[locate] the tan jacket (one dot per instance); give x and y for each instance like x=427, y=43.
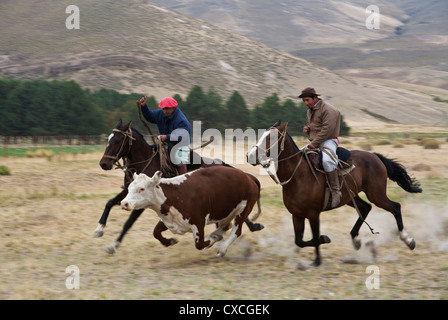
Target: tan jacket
x=324, y=122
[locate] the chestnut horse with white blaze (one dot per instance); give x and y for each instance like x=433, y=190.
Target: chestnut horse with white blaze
x=303, y=196
x=189, y=202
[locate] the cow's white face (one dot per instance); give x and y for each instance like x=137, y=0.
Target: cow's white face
x=144, y=192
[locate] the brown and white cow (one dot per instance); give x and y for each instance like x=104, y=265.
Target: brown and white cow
x=187, y=203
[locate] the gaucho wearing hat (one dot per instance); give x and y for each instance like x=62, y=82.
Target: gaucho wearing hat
x=322, y=127
x=174, y=129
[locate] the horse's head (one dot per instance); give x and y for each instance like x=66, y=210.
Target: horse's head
x=118, y=145
x=269, y=146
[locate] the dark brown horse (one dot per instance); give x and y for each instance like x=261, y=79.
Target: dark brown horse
x=303, y=196
x=138, y=156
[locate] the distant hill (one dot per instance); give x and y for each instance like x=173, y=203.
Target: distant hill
x=411, y=46
x=143, y=47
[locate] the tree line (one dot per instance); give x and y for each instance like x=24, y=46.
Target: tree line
x=41, y=108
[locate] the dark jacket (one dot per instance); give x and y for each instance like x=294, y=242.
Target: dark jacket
x=177, y=121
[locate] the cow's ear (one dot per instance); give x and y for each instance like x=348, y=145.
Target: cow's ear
x=135, y=176
x=157, y=177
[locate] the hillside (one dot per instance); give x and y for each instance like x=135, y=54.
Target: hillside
x=412, y=38
x=144, y=47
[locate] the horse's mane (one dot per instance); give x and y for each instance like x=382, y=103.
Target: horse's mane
x=142, y=137
x=296, y=148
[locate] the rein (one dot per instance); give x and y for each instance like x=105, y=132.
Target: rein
x=282, y=147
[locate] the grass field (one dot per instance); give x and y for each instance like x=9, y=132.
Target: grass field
x=51, y=209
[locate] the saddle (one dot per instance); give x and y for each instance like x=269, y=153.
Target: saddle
x=345, y=164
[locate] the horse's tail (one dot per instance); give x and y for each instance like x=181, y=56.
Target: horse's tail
x=396, y=172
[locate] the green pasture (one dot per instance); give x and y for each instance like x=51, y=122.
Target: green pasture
x=21, y=152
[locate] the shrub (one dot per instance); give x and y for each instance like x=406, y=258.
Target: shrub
x=40, y=153
x=430, y=143
x=382, y=142
x=4, y=171
x=365, y=146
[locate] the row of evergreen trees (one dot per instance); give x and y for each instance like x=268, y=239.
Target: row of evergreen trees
x=39, y=107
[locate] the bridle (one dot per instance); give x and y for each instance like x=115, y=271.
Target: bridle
x=281, y=142
x=127, y=136
x=281, y=136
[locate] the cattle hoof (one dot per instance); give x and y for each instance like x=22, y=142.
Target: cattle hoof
x=220, y=253
x=172, y=242
x=216, y=237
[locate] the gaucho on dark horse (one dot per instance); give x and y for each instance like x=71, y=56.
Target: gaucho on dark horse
x=127, y=144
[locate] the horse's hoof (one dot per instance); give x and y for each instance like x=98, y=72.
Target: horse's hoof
x=411, y=244
x=356, y=243
x=324, y=239
x=258, y=227
x=112, y=248
x=98, y=234
x=172, y=242
x=316, y=263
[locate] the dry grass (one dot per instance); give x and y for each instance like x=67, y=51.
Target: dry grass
x=51, y=210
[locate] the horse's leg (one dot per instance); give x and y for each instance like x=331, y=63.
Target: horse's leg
x=317, y=238
x=364, y=209
x=112, y=248
x=381, y=200
x=99, y=231
x=158, y=229
x=299, y=227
